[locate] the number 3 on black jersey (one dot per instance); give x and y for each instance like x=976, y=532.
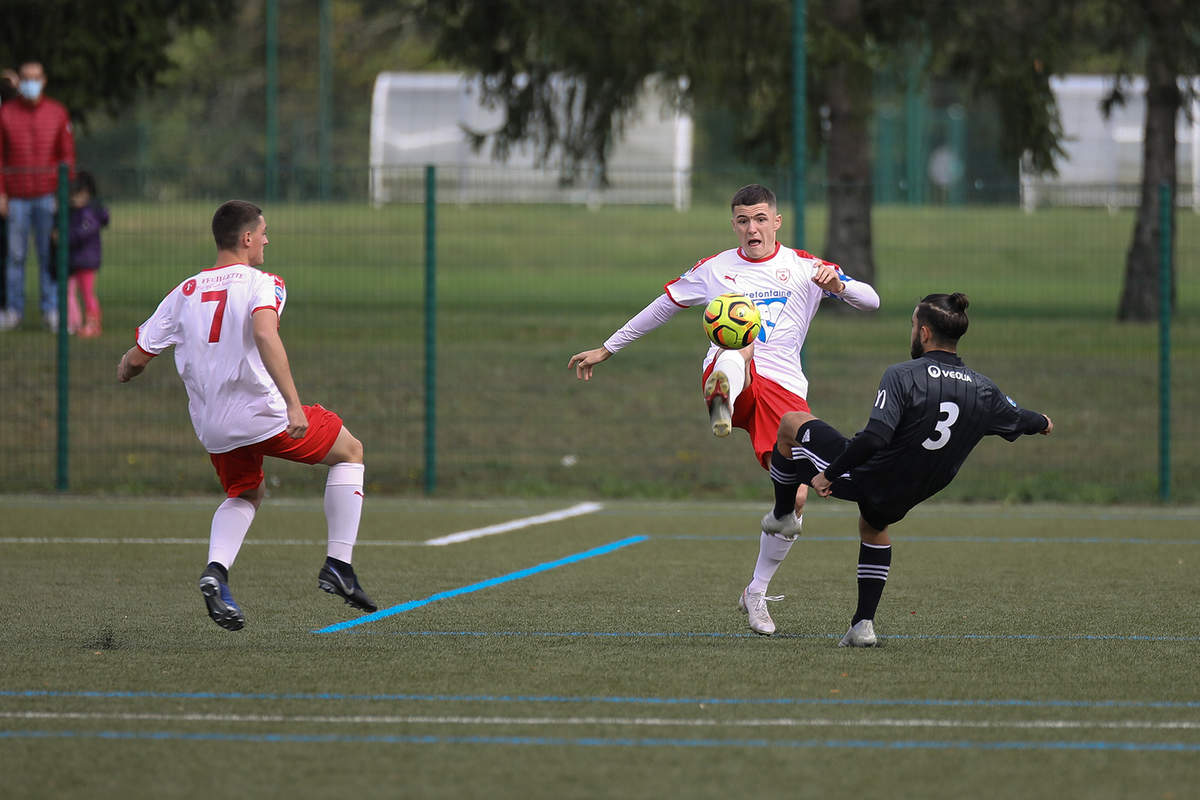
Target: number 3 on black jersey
x=941, y=429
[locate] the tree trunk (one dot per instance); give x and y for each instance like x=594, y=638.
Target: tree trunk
x=1140, y=296
x=848, y=239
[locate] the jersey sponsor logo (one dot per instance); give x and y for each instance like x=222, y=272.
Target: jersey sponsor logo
x=770, y=310
x=189, y=286
x=278, y=295
x=937, y=372
x=730, y=278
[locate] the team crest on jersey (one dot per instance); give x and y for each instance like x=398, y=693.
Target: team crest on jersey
x=189, y=286
x=783, y=275
x=770, y=311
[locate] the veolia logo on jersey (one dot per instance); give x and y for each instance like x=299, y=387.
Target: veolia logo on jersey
x=937, y=372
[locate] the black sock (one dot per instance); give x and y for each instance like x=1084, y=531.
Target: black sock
x=221, y=571
x=785, y=477
x=874, y=563
x=340, y=566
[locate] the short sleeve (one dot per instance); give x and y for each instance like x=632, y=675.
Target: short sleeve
x=162, y=329
x=269, y=292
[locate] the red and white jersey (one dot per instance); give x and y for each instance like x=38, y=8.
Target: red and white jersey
x=787, y=299
x=232, y=399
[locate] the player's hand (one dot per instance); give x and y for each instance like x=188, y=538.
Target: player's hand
x=297, y=423
x=583, y=362
x=822, y=484
x=828, y=279
x=1049, y=426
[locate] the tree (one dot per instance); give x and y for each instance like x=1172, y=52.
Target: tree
x=1164, y=37
x=99, y=54
x=738, y=58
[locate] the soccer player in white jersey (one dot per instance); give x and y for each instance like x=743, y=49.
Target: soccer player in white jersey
x=754, y=387
x=224, y=325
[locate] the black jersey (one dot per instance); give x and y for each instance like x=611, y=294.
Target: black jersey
x=931, y=412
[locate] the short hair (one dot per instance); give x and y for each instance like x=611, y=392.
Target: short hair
x=945, y=314
x=752, y=195
x=232, y=219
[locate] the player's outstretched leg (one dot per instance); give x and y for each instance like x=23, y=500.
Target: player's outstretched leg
x=716, y=396
x=337, y=577
x=722, y=387
x=224, y=610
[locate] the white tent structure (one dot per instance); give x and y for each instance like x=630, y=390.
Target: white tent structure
x=1103, y=163
x=424, y=118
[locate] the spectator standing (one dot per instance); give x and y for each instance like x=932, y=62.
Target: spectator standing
x=35, y=136
x=8, y=92
x=88, y=216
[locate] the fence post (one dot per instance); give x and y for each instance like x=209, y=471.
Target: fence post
x=62, y=482
x=1165, y=211
x=430, y=328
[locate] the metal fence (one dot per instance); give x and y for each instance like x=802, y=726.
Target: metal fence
x=520, y=287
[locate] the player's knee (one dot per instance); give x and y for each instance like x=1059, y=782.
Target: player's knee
x=789, y=426
x=354, y=451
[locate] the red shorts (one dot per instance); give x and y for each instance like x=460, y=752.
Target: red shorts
x=758, y=410
x=241, y=470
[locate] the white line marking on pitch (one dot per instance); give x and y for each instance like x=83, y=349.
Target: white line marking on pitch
x=666, y=722
x=516, y=524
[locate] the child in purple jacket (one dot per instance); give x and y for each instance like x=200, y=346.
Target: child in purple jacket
x=88, y=216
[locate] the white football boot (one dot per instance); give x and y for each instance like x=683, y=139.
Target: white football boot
x=754, y=605
x=787, y=527
x=861, y=634
x=716, y=395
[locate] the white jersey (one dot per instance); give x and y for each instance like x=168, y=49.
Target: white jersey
x=232, y=399
x=787, y=299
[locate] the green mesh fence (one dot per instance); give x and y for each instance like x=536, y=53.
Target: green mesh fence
x=523, y=285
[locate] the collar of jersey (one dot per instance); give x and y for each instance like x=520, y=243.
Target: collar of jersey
x=745, y=257
x=943, y=356
x=223, y=266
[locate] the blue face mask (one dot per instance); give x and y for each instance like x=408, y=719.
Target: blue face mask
x=30, y=90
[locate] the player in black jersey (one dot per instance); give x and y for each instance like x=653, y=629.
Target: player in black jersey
x=928, y=415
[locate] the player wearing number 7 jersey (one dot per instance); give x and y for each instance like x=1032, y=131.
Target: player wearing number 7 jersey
x=224, y=325
x=929, y=413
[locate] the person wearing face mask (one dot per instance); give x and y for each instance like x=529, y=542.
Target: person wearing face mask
x=35, y=137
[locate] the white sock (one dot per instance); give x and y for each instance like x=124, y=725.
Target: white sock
x=230, y=522
x=343, y=508
x=772, y=550
x=734, y=366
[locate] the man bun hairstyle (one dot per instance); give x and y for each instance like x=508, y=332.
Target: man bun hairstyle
x=752, y=195
x=945, y=315
x=232, y=219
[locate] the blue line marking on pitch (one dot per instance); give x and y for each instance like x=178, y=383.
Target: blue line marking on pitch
x=599, y=741
x=1033, y=637
x=610, y=700
x=475, y=587
x=955, y=539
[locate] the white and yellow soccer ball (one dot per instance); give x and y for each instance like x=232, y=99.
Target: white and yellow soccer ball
x=731, y=321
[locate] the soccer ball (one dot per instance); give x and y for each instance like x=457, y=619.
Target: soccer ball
x=731, y=321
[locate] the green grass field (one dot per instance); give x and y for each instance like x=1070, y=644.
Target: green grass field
x=521, y=288
x=1034, y=651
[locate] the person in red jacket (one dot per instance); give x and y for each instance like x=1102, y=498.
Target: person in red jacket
x=35, y=137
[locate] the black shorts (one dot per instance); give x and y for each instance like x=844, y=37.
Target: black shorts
x=817, y=444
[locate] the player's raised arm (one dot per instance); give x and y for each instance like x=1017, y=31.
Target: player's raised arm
x=857, y=294
x=661, y=309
